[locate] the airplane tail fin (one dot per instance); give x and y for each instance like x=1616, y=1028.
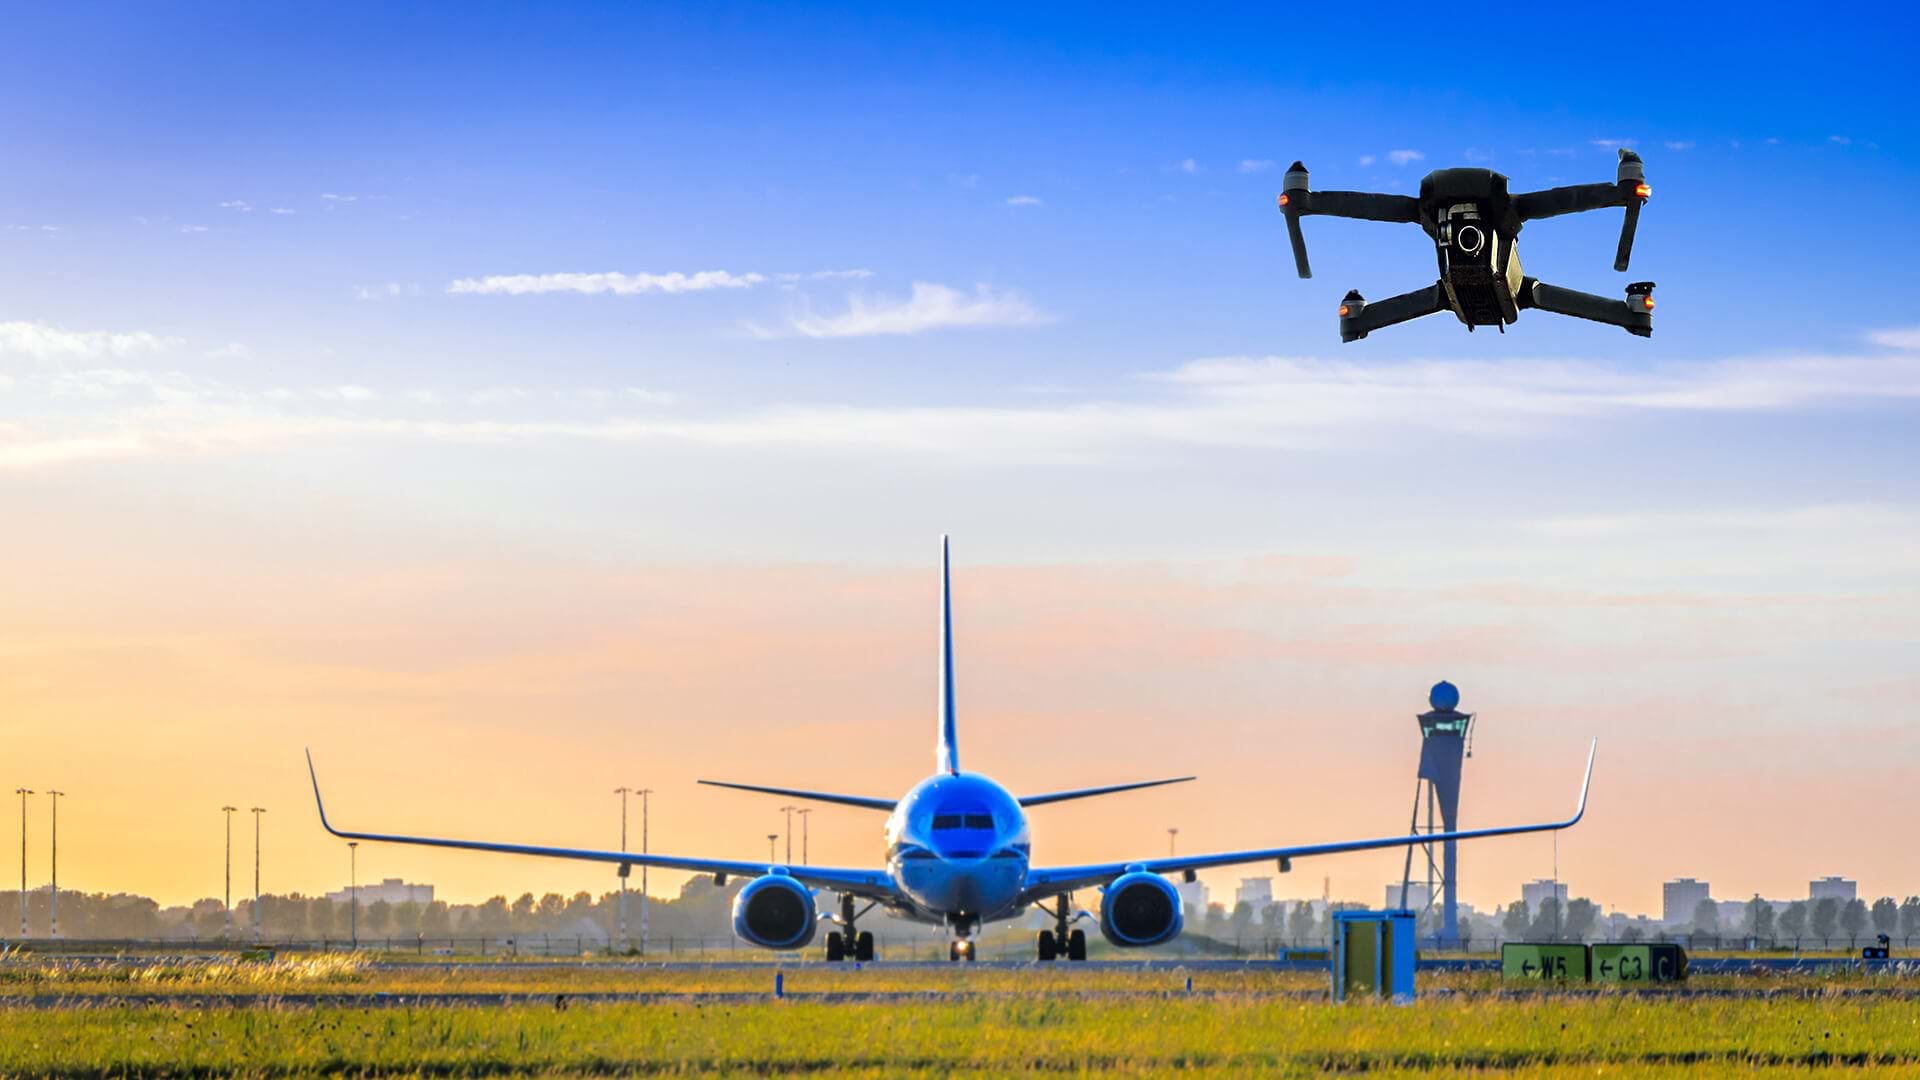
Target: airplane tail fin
x=947, y=750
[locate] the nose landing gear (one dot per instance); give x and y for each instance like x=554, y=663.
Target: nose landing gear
x=1059, y=942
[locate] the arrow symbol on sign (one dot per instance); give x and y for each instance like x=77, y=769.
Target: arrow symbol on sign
x=1526, y=967
x=1605, y=968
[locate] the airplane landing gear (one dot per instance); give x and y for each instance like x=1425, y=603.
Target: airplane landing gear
x=1060, y=942
x=961, y=950
x=852, y=944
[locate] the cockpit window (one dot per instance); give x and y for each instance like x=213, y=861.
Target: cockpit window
x=942, y=822
x=979, y=821
x=948, y=821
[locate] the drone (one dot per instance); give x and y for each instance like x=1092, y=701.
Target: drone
x=1475, y=225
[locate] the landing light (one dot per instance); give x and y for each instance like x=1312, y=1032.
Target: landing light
x=1643, y=190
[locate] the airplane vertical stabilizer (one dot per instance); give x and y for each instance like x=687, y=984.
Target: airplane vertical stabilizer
x=947, y=752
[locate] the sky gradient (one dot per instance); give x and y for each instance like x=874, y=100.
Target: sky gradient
x=512, y=404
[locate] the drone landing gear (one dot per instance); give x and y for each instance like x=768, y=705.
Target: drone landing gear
x=1059, y=942
x=1634, y=314
x=853, y=944
x=1359, y=318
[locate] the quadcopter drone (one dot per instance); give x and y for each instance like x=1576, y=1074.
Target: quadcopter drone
x=1475, y=225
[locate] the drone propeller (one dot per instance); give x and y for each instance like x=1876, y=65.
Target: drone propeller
x=1632, y=178
x=1293, y=200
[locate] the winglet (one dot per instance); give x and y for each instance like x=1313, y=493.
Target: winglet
x=1580, y=811
x=947, y=750
x=317, y=804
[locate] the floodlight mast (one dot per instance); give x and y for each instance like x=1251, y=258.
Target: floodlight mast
x=53, y=911
x=23, y=793
x=228, y=812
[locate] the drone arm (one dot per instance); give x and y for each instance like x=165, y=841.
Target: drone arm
x=1364, y=205
x=1634, y=314
x=1553, y=202
x=1297, y=200
x=1629, y=189
x=1359, y=318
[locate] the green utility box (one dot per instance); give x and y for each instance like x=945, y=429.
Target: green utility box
x=1564, y=963
x=1658, y=962
x=1373, y=954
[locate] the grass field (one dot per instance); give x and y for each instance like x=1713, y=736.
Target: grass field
x=988, y=1021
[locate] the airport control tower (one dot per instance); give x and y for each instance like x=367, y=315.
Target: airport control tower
x=1446, y=740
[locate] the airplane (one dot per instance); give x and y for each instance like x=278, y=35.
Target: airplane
x=1475, y=227
x=958, y=855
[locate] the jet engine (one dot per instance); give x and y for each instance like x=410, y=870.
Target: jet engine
x=1140, y=909
x=774, y=912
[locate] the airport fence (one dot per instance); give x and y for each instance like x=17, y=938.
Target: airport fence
x=1001, y=946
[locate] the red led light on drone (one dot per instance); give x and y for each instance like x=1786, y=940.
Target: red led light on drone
x=1285, y=199
x=1643, y=190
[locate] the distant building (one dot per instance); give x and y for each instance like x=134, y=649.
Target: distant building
x=1256, y=893
x=1536, y=893
x=1679, y=898
x=392, y=890
x=1193, y=896
x=1418, y=896
x=1833, y=888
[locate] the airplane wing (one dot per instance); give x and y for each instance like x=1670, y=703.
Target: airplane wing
x=1051, y=881
x=1087, y=793
x=867, y=883
x=816, y=796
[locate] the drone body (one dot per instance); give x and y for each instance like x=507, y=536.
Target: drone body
x=1475, y=227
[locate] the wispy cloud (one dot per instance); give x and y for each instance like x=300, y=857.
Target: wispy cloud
x=387, y=291
x=1366, y=159
x=241, y=205
x=1405, y=157
x=193, y=228
x=1840, y=140
x=930, y=307
x=1906, y=337
x=620, y=284
x=1243, y=403
x=1611, y=144
x=1023, y=200
x=282, y=210
x=330, y=196
x=1187, y=165
x=36, y=228
x=1679, y=144
x=1254, y=165
x=44, y=342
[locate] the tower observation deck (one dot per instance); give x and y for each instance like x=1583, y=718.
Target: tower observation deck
x=1446, y=740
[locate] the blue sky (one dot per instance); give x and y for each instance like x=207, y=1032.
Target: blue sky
x=296, y=298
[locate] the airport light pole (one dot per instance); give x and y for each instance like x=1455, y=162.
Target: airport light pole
x=1171, y=833
x=353, y=891
x=53, y=912
x=256, y=811
x=803, y=812
x=623, y=791
x=228, y=811
x=643, y=793
x=788, y=810
x=772, y=837
x=23, y=793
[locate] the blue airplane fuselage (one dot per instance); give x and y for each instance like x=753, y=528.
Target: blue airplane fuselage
x=957, y=845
